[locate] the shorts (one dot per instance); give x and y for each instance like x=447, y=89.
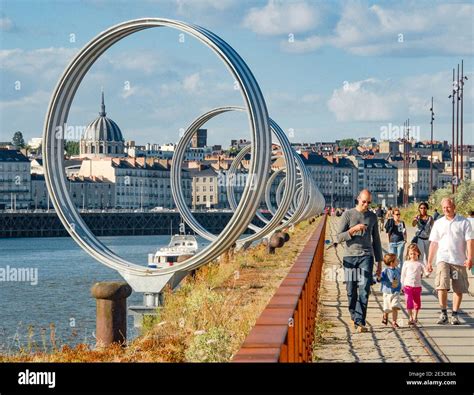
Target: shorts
x=456, y=273
x=391, y=302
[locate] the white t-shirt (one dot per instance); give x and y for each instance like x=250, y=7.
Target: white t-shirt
x=452, y=237
x=411, y=273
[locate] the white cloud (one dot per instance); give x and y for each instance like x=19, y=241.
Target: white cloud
x=403, y=29
x=192, y=83
x=376, y=100
x=308, y=44
x=281, y=18
x=365, y=100
x=35, y=62
x=6, y=24
x=189, y=7
x=37, y=98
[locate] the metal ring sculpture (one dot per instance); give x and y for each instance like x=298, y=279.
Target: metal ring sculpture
x=143, y=279
x=140, y=278
x=178, y=196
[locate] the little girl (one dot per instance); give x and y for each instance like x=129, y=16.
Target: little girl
x=411, y=281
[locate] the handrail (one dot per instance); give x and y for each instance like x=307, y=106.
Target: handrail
x=284, y=332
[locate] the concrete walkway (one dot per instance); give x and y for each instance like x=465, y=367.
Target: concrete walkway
x=384, y=344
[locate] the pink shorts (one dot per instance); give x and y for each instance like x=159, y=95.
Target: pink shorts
x=413, y=297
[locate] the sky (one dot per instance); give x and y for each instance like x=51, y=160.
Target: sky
x=328, y=69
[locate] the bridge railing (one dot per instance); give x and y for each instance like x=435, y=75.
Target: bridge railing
x=284, y=332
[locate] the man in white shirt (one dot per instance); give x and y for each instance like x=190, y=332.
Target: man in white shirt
x=451, y=247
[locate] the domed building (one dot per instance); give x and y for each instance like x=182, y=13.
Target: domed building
x=102, y=138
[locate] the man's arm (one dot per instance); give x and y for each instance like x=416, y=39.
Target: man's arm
x=432, y=254
x=470, y=247
x=343, y=228
x=377, y=245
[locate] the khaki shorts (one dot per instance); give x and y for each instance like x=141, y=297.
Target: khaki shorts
x=391, y=302
x=458, y=274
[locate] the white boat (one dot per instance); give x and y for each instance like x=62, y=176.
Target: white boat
x=180, y=245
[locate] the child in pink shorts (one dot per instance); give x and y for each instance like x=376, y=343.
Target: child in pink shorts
x=412, y=272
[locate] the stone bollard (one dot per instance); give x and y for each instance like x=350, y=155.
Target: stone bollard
x=276, y=241
x=111, y=302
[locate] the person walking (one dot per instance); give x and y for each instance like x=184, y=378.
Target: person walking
x=451, y=249
x=358, y=229
x=412, y=272
x=424, y=224
x=435, y=214
x=390, y=287
x=397, y=235
x=380, y=214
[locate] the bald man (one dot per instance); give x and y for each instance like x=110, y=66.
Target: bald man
x=358, y=229
x=451, y=248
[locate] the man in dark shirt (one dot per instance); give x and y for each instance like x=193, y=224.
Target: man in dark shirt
x=358, y=229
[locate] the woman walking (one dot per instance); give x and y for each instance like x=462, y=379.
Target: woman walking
x=424, y=224
x=397, y=235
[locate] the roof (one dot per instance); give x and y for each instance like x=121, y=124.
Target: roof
x=102, y=128
x=124, y=164
x=343, y=162
x=378, y=164
x=9, y=155
x=315, y=160
x=205, y=172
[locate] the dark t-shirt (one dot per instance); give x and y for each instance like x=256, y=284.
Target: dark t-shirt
x=396, y=231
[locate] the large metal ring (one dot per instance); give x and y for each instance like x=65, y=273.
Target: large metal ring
x=143, y=279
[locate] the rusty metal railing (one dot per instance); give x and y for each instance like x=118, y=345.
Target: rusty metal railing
x=284, y=332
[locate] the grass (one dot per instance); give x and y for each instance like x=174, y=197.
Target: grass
x=206, y=320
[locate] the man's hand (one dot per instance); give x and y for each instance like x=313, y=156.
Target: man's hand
x=468, y=263
x=429, y=267
x=378, y=272
x=357, y=228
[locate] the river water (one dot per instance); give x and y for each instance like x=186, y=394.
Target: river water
x=60, y=295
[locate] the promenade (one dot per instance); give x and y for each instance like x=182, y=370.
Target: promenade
x=429, y=343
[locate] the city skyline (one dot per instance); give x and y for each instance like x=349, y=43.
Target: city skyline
x=320, y=67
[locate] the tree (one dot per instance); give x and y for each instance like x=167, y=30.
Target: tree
x=18, y=140
x=71, y=148
x=348, y=143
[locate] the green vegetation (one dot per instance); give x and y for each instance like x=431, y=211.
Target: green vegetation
x=18, y=140
x=348, y=143
x=206, y=320
x=464, y=198
x=71, y=148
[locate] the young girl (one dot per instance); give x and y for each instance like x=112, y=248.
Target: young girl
x=390, y=281
x=411, y=282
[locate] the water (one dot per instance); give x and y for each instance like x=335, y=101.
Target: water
x=62, y=294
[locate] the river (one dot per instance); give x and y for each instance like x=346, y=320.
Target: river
x=60, y=293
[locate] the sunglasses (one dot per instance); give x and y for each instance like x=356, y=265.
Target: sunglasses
x=366, y=201
x=397, y=214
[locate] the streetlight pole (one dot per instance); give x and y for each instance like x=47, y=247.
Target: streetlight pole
x=461, y=87
x=457, y=129
x=452, y=134
x=431, y=161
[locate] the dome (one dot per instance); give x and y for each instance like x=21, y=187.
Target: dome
x=103, y=128
x=102, y=137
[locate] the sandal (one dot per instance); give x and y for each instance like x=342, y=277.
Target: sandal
x=395, y=325
x=385, y=319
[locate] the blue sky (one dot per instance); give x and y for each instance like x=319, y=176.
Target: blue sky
x=328, y=70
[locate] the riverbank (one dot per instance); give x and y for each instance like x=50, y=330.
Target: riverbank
x=207, y=319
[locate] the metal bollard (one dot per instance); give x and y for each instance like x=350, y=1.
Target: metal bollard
x=111, y=302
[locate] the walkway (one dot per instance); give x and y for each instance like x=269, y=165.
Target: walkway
x=384, y=344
